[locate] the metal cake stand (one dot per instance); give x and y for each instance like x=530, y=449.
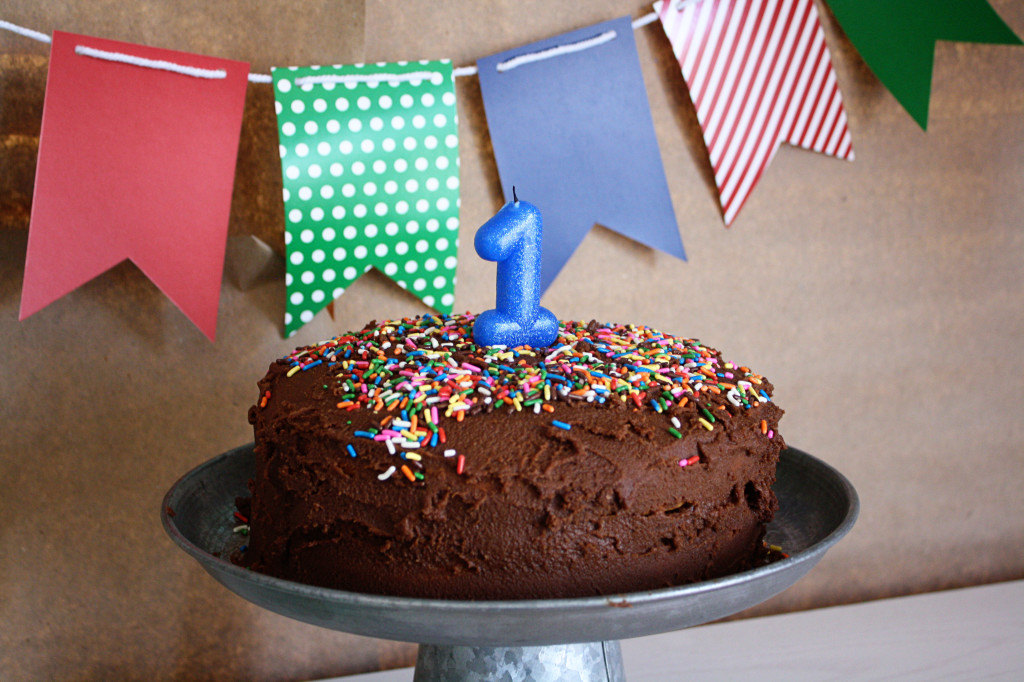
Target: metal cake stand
x=544, y=639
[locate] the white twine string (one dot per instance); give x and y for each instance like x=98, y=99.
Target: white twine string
x=458, y=72
x=555, y=51
x=644, y=20
x=27, y=32
x=160, y=64
x=365, y=78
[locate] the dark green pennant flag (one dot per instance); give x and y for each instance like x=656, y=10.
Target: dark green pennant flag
x=370, y=170
x=896, y=38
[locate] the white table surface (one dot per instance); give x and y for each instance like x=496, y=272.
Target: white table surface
x=976, y=633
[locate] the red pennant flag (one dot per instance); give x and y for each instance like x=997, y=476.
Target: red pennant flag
x=759, y=74
x=136, y=160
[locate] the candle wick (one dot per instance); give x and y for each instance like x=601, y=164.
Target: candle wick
x=514, y=197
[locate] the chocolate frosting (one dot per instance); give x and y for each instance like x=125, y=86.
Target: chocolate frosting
x=502, y=488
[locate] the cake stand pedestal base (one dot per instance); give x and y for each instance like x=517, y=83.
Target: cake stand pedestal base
x=586, y=662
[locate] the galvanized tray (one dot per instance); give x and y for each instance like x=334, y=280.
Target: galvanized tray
x=818, y=506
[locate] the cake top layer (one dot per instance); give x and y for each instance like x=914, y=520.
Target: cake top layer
x=431, y=363
x=433, y=466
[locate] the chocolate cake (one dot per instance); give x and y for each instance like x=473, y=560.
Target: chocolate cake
x=404, y=459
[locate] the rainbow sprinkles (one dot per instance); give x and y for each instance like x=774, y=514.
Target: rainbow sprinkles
x=418, y=372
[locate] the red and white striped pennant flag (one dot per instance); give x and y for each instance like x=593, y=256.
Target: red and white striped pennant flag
x=759, y=74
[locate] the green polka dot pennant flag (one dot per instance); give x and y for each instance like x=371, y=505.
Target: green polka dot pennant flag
x=370, y=163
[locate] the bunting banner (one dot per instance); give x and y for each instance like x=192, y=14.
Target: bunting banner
x=897, y=40
x=138, y=145
x=137, y=155
x=571, y=128
x=759, y=74
x=370, y=164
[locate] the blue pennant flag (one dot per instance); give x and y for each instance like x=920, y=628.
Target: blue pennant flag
x=571, y=128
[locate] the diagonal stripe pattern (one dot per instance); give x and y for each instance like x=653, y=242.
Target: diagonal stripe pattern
x=759, y=74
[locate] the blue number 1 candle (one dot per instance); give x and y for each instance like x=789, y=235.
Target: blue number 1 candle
x=513, y=238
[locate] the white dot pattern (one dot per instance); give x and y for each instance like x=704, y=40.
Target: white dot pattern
x=362, y=165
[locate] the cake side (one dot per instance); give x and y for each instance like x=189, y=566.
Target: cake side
x=617, y=460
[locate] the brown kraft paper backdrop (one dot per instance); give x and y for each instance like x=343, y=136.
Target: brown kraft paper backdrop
x=882, y=297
